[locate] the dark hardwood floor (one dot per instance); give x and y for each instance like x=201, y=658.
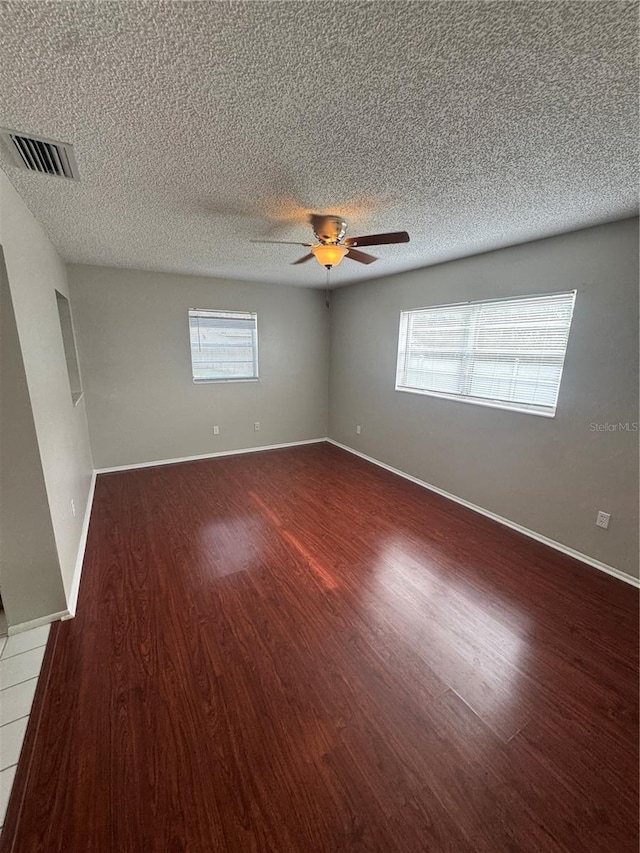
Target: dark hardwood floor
x=297, y=651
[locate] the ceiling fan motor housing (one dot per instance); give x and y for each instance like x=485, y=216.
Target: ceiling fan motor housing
x=328, y=229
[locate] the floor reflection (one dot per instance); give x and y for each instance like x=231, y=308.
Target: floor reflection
x=455, y=628
x=231, y=545
x=323, y=573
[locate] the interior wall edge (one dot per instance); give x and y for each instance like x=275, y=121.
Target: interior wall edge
x=60, y=453
x=72, y=600
x=47, y=619
x=532, y=534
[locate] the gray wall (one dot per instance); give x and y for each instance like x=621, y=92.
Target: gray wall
x=133, y=342
x=31, y=584
x=549, y=475
x=34, y=272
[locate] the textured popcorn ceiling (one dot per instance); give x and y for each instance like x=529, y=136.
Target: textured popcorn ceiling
x=200, y=126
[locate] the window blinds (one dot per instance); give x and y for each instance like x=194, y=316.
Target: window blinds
x=224, y=345
x=507, y=353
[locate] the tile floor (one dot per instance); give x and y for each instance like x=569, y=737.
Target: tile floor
x=20, y=661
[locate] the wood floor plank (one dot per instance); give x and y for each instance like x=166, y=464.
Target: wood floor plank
x=298, y=652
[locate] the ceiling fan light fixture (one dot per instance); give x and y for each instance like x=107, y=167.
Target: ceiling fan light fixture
x=329, y=254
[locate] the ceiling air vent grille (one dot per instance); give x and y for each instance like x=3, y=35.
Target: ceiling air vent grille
x=40, y=155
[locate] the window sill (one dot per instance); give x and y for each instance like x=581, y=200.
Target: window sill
x=473, y=401
x=223, y=381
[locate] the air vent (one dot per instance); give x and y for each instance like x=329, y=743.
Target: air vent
x=40, y=155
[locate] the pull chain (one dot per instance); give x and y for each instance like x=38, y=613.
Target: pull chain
x=326, y=289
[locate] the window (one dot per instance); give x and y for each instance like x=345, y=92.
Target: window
x=69, y=344
x=224, y=346
x=506, y=353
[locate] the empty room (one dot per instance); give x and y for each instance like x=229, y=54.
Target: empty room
x=319, y=427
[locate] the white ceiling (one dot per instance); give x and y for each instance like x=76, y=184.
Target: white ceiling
x=200, y=126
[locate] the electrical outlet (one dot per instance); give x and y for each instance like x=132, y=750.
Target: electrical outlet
x=216, y=430
x=256, y=426
x=602, y=519
x=73, y=508
x=358, y=430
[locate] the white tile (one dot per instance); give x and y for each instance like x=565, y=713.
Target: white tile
x=6, y=783
x=11, y=737
x=15, y=702
x=20, y=667
x=32, y=639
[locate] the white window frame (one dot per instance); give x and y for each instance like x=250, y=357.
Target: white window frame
x=467, y=353
x=218, y=312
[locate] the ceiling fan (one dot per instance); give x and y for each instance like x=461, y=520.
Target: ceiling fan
x=331, y=248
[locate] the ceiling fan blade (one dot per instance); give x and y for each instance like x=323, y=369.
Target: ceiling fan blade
x=303, y=260
x=378, y=239
x=281, y=242
x=361, y=257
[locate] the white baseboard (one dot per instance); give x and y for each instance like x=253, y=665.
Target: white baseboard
x=77, y=572
x=37, y=623
x=558, y=546
x=207, y=456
